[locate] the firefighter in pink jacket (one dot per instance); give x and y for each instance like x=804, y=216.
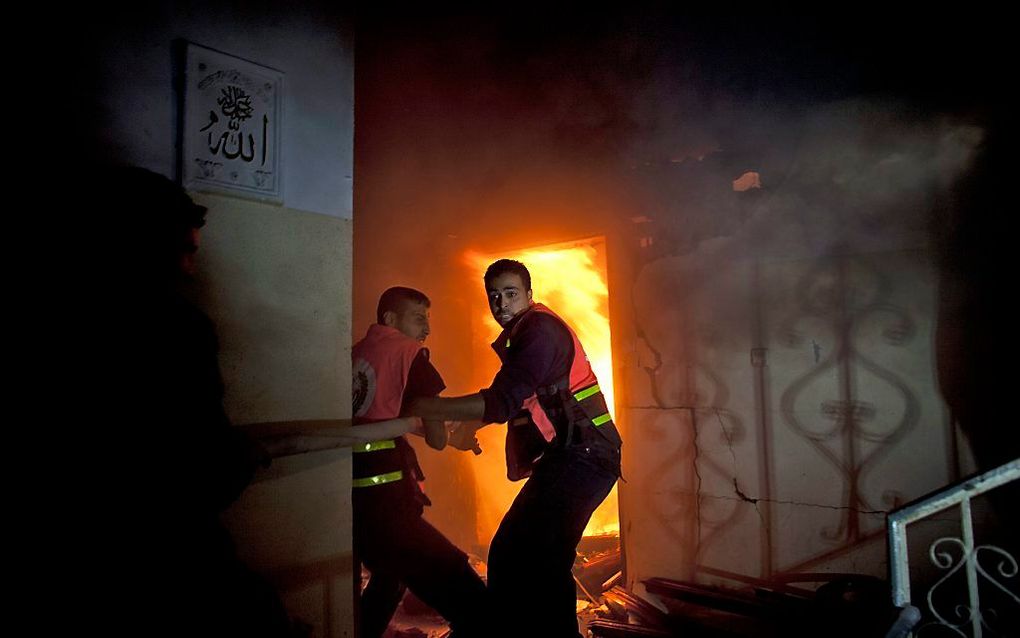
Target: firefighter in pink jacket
x=399, y=548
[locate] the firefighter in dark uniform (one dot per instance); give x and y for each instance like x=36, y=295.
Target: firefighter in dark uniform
x=560, y=437
x=391, y=538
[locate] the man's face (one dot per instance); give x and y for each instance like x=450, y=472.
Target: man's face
x=412, y=320
x=507, y=297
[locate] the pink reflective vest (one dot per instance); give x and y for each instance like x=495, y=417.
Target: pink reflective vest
x=381, y=364
x=582, y=384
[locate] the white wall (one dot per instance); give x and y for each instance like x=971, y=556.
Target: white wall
x=275, y=279
x=763, y=320
x=313, y=48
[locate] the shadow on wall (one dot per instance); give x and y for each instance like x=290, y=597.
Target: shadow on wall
x=784, y=374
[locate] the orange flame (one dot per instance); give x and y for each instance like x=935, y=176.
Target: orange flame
x=571, y=281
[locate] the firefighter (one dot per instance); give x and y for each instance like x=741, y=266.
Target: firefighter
x=560, y=437
x=399, y=548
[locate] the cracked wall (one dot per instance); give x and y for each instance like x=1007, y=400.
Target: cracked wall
x=780, y=391
x=734, y=311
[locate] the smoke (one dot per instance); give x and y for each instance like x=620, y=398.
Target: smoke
x=851, y=176
x=484, y=134
x=493, y=135
x=488, y=135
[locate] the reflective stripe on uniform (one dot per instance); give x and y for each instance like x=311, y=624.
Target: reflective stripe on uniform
x=591, y=391
x=373, y=446
x=379, y=479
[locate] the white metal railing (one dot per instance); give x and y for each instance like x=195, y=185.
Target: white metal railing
x=971, y=614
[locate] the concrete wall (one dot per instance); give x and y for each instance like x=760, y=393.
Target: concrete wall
x=277, y=284
x=275, y=279
x=779, y=411
x=781, y=382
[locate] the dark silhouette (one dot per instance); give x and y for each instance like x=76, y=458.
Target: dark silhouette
x=167, y=458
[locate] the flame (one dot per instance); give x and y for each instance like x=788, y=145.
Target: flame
x=571, y=281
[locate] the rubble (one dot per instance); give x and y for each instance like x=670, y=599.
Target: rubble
x=847, y=607
x=613, y=629
x=627, y=607
x=598, y=560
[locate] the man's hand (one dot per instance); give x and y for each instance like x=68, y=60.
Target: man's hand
x=462, y=436
x=435, y=434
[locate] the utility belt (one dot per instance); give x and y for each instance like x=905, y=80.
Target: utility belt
x=580, y=418
x=393, y=453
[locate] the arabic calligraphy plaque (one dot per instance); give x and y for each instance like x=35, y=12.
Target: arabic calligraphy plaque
x=230, y=140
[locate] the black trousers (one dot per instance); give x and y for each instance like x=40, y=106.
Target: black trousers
x=401, y=549
x=532, y=555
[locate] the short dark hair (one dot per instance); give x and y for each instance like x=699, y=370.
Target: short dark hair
x=155, y=199
x=150, y=216
x=503, y=266
x=397, y=296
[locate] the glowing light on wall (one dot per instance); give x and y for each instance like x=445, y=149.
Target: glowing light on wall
x=571, y=281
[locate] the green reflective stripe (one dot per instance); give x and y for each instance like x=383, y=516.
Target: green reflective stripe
x=379, y=479
x=373, y=446
x=508, y=343
x=587, y=392
x=599, y=420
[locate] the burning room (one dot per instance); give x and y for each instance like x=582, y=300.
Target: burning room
x=777, y=237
